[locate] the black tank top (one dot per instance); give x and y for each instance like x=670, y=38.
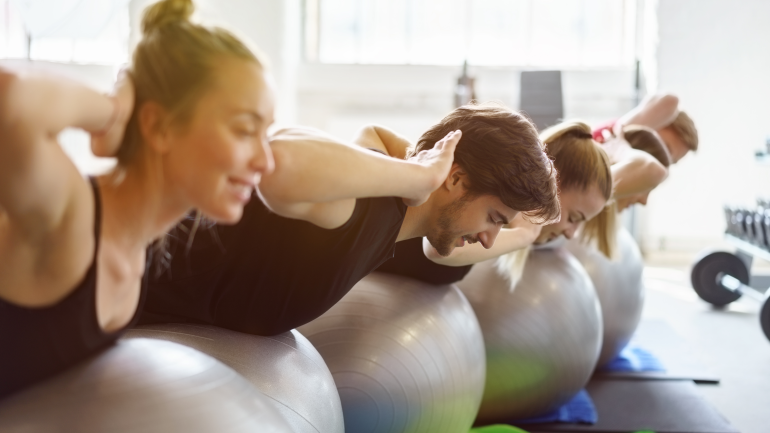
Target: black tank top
x=268, y=274
x=410, y=261
x=36, y=343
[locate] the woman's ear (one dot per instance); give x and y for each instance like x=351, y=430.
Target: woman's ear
x=153, y=125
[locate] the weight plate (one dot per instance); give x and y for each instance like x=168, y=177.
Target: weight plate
x=704, y=277
x=764, y=317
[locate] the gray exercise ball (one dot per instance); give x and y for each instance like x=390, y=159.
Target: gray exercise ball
x=619, y=285
x=406, y=356
x=542, y=339
x=141, y=386
x=285, y=367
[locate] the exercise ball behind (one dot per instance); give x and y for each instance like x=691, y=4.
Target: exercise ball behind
x=143, y=385
x=542, y=339
x=406, y=356
x=285, y=367
x=620, y=289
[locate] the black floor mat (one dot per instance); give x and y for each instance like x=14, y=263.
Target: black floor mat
x=659, y=338
x=662, y=406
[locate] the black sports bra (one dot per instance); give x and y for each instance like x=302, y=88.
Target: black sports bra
x=36, y=343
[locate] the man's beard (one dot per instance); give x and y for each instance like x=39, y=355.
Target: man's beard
x=442, y=236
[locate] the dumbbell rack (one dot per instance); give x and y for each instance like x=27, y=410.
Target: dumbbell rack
x=721, y=277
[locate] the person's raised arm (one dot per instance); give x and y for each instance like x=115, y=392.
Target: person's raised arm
x=519, y=234
x=638, y=172
x=318, y=178
x=383, y=139
x=656, y=112
x=36, y=177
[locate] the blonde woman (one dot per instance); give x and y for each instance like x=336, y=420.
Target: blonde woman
x=188, y=128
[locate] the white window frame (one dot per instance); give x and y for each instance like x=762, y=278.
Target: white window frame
x=625, y=56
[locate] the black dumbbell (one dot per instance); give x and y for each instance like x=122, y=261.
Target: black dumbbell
x=737, y=222
x=766, y=224
x=748, y=225
x=729, y=220
x=759, y=227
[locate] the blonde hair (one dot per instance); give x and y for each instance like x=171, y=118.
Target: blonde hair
x=511, y=265
x=174, y=64
x=581, y=164
x=684, y=127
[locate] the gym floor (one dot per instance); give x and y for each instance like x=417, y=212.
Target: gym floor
x=728, y=341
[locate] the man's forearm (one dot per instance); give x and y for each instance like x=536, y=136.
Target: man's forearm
x=320, y=171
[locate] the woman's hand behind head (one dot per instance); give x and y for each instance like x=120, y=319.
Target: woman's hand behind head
x=106, y=142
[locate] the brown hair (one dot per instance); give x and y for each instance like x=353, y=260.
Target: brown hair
x=582, y=163
x=684, y=127
x=174, y=63
x=502, y=156
x=647, y=140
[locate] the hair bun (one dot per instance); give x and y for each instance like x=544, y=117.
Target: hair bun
x=166, y=12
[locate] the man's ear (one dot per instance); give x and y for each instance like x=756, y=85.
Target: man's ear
x=456, y=179
x=153, y=125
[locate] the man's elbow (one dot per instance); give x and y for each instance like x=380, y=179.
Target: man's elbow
x=278, y=185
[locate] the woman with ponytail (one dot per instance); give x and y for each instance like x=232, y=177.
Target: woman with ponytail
x=188, y=124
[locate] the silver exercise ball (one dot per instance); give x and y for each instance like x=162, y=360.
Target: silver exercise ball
x=542, y=339
x=406, y=356
x=141, y=386
x=285, y=367
x=620, y=289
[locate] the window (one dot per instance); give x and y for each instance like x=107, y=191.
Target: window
x=76, y=31
x=536, y=33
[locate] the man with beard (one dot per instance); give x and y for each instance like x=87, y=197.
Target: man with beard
x=289, y=260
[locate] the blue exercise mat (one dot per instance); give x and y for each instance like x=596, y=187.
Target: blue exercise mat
x=676, y=359
x=634, y=359
x=579, y=410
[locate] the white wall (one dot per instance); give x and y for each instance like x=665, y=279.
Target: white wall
x=714, y=54
x=341, y=98
x=273, y=25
